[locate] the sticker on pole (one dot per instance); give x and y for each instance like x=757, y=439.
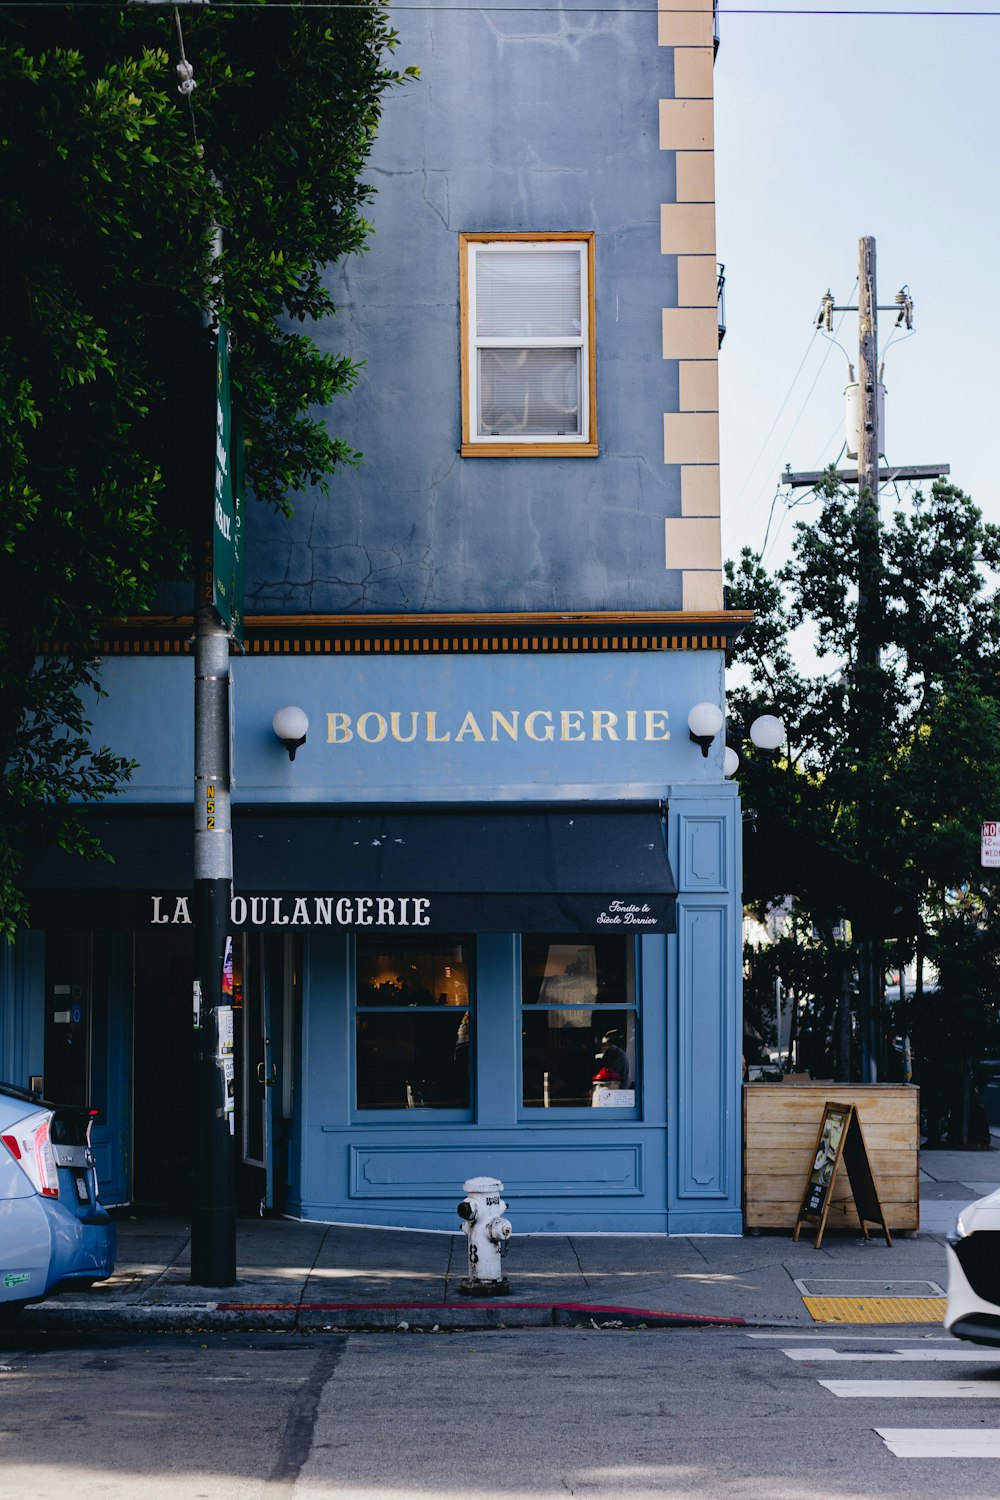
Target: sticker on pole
x=989, y=854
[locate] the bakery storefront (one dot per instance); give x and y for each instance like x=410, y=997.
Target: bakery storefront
x=486, y=921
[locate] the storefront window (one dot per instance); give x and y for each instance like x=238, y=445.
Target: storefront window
x=412, y=1023
x=579, y=1025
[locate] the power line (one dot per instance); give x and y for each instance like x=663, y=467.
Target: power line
x=763, y=447
x=560, y=10
x=788, y=435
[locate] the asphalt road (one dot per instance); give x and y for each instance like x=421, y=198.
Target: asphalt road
x=547, y=1414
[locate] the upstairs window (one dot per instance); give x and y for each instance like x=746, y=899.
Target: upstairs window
x=528, y=345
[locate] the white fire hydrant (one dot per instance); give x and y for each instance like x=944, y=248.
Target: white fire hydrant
x=488, y=1233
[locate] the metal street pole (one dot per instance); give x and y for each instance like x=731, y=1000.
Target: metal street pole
x=213, y=1213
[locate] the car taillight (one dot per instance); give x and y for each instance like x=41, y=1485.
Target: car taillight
x=31, y=1148
x=45, y=1162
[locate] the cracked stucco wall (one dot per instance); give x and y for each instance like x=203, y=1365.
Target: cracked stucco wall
x=521, y=121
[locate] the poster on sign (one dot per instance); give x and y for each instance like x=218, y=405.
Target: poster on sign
x=840, y=1141
x=989, y=855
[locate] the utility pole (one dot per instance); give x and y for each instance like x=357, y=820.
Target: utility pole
x=869, y=625
x=867, y=682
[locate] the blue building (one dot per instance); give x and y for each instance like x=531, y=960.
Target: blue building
x=488, y=917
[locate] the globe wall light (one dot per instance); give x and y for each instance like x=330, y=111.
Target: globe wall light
x=704, y=722
x=767, y=732
x=291, y=725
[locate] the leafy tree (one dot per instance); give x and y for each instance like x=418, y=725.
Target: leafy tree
x=891, y=764
x=111, y=185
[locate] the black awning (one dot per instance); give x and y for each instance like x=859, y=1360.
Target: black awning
x=515, y=869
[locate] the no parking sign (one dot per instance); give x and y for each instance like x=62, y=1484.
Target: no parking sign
x=989, y=855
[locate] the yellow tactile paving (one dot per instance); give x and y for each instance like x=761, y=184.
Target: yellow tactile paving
x=876, y=1309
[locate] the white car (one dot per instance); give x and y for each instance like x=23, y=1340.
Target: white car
x=973, y=1311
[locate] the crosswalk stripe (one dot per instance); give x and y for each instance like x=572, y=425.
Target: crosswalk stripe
x=957, y=1355
x=915, y=1389
x=867, y=1337
x=941, y=1442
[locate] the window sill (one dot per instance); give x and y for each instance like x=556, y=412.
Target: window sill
x=570, y=1114
x=422, y=1114
x=529, y=450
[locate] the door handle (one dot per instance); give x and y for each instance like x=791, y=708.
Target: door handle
x=267, y=1079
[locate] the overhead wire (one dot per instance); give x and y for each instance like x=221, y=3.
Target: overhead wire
x=763, y=447
x=796, y=12
x=802, y=499
x=801, y=412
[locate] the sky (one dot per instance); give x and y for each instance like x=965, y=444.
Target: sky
x=828, y=128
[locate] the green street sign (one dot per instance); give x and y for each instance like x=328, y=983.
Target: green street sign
x=227, y=523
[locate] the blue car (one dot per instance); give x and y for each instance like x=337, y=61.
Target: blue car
x=54, y=1235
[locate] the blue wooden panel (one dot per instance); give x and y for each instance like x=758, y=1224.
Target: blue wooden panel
x=703, y=984
x=653, y=1031
x=496, y=1028
x=703, y=848
x=111, y=1076
x=704, y=989
x=715, y=1220
x=327, y=1081
x=527, y=1170
x=22, y=1008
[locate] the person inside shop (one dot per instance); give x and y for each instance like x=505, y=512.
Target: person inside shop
x=614, y=1071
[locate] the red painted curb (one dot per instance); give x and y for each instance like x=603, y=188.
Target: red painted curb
x=500, y=1304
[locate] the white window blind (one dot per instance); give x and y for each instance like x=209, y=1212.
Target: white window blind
x=528, y=293
x=530, y=391
x=528, y=333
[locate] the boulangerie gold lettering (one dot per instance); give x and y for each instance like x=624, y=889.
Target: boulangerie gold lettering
x=432, y=735
x=394, y=718
x=433, y=726
x=508, y=725
x=338, y=729
x=363, y=727
x=469, y=726
x=529, y=724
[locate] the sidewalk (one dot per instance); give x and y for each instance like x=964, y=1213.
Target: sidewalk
x=312, y=1276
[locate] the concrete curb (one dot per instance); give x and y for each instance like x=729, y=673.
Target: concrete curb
x=359, y=1317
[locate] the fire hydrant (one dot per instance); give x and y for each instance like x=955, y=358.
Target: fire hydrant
x=488, y=1233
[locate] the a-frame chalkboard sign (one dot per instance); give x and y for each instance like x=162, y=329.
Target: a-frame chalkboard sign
x=840, y=1139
